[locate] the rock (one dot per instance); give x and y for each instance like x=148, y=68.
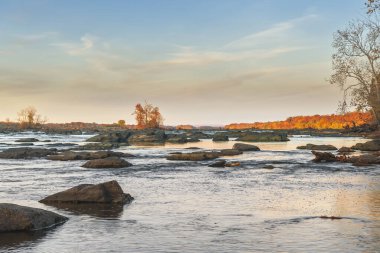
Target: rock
x=193, y=140
x=177, y=139
x=71, y=155
x=26, y=153
x=148, y=138
x=192, y=148
x=263, y=137
x=25, y=144
x=232, y=164
x=345, y=150
x=98, y=146
x=109, y=162
x=22, y=218
x=230, y=152
x=373, y=145
x=108, y=192
x=27, y=140
x=198, y=135
x=365, y=160
x=61, y=144
x=324, y=157
x=195, y=156
x=268, y=167
x=220, y=138
x=317, y=147
x=245, y=147
x=115, y=137
x=330, y=217
x=218, y=164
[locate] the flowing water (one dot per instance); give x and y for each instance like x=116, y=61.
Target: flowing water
x=185, y=206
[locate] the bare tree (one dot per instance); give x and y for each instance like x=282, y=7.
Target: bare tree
x=356, y=65
x=373, y=6
x=28, y=117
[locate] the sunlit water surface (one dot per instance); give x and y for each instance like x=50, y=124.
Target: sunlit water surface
x=190, y=207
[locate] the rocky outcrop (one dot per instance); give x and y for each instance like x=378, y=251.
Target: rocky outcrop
x=71, y=155
x=360, y=160
x=218, y=164
x=22, y=218
x=177, y=138
x=26, y=153
x=245, y=147
x=27, y=140
x=99, y=146
x=108, y=192
x=198, y=135
x=317, y=147
x=109, y=162
x=148, y=138
x=373, y=145
x=263, y=137
x=115, y=137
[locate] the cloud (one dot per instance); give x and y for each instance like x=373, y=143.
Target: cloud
x=29, y=39
x=275, y=31
x=86, y=43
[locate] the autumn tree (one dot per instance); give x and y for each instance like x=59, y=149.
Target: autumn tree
x=147, y=116
x=356, y=65
x=121, y=123
x=28, y=117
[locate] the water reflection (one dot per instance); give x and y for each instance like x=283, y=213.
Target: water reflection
x=19, y=239
x=97, y=210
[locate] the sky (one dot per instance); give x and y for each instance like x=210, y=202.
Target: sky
x=205, y=62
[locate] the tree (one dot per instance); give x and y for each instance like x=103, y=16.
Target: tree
x=121, y=123
x=373, y=6
x=148, y=116
x=28, y=117
x=356, y=66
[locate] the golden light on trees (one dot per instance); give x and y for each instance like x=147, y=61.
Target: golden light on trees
x=147, y=116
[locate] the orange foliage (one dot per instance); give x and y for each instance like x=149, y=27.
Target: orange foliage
x=332, y=121
x=184, y=127
x=148, y=116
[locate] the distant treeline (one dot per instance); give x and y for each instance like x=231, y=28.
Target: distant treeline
x=333, y=121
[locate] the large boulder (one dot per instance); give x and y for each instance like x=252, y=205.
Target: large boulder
x=345, y=150
x=263, y=137
x=177, y=138
x=148, y=138
x=324, y=157
x=71, y=155
x=27, y=140
x=109, y=162
x=194, y=156
x=108, y=192
x=26, y=153
x=317, y=147
x=373, y=145
x=245, y=147
x=22, y=218
x=115, y=137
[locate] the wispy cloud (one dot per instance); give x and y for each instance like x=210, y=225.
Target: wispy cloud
x=86, y=43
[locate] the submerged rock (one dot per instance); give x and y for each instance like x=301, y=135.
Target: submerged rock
x=268, y=167
x=22, y=218
x=263, y=137
x=373, y=145
x=108, y=192
x=71, y=155
x=27, y=140
x=245, y=147
x=109, y=162
x=26, y=153
x=317, y=147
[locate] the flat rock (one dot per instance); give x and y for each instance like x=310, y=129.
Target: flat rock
x=22, y=218
x=324, y=157
x=71, y=155
x=345, y=150
x=317, y=147
x=98, y=146
x=220, y=138
x=233, y=164
x=108, y=192
x=218, y=164
x=245, y=147
x=230, y=152
x=109, y=162
x=194, y=156
x=26, y=153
